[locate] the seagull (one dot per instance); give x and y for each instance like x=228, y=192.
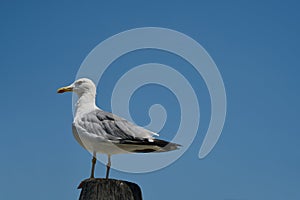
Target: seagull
x=102, y=132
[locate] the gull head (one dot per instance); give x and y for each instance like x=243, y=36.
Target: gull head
x=80, y=87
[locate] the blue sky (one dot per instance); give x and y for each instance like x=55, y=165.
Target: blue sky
x=255, y=45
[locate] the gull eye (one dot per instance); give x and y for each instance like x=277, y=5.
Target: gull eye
x=79, y=82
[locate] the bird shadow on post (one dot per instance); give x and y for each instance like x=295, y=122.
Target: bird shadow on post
x=109, y=189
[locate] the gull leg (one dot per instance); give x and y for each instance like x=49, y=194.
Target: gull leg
x=108, y=166
x=93, y=165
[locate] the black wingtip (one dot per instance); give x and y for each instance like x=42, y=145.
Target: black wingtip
x=166, y=146
x=152, y=146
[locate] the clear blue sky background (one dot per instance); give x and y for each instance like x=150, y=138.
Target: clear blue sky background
x=255, y=45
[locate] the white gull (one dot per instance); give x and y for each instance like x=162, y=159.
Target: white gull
x=102, y=132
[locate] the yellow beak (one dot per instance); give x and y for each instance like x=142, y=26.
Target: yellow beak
x=65, y=89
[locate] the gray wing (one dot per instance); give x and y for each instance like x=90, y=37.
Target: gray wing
x=108, y=126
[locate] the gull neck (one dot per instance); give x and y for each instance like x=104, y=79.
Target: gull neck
x=85, y=103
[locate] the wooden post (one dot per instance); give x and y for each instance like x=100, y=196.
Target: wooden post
x=111, y=189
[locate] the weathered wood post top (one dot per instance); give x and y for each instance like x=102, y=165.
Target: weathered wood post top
x=109, y=189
